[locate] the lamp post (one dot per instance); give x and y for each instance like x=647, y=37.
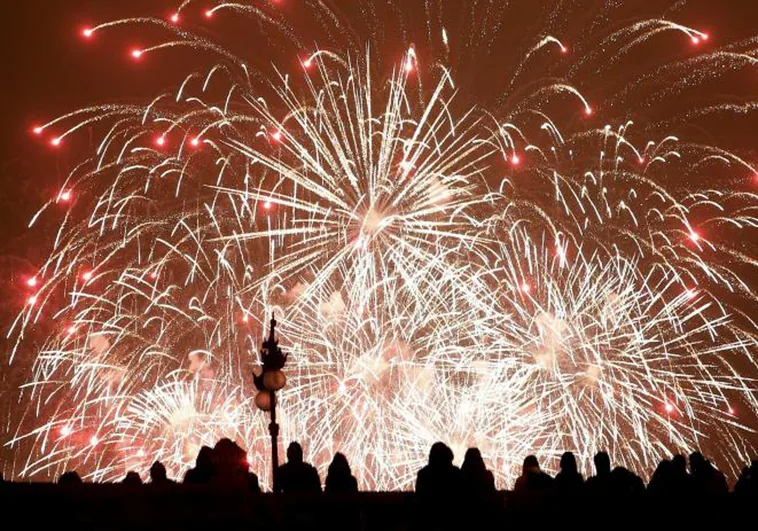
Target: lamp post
x=268, y=383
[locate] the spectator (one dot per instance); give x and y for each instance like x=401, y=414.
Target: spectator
x=662, y=479
x=626, y=483
x=339, y=478
x=477, y=481
x=747, y=484
x=70, y=478
x=232, y=469
x=600, y=483
x=439, y=479
x=297, y=475
x=204, y=468
x=706, y=479
x=532, y=479
x=158, y=475
x=568, y=480
x=132, y=479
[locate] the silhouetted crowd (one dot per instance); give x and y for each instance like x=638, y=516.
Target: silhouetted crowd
x=441, y=481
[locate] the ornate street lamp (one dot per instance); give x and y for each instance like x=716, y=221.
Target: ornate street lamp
x=268, y=383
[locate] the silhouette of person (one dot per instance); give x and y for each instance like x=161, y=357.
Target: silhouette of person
x=532, y=479
x=568, y=480
x=747, y=483
x=600, y=483
x=339, y=478
x=204, y=468
x=132, y=479
x=440, y=478
x=626, y=483
x=70, y=478
x=296, y=475
x=158, y=474
x=681, y=482
x=477, y=481
x=706, y=479
x=232, y=468
x=662, y=479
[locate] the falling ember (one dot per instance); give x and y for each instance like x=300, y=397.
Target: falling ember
x=137, y=53
x=32, y=300
x=276, y=135
x=208, y=13
x=94, y=440
x=65, y=196
x=307, y=63
x=160, y=141
x=71, y=330
x=731, y=410
x=175, y=18
x=267, y=205
x=669, y=408
x=195, y=142
x=515, y=159
x=694, y=236
x=588, y=111
x=87, y=32
x=691, y=294
x=141, y=453
x=37, y=130
x=525, y=287
x=87, y=275
x=564, y=49
x=695, y=40
x=32, y=281
x=153, y=275
x=65, y=431
x=245, y=318
x=56, y=141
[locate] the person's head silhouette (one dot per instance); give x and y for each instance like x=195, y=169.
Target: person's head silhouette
x=294, y=453
x=602, y=463
x=473, y=460
x=440, y=455
x=530, y=464
x=697, y=462
x=339, y=465
x=679, y=464
x=568, y=463
x=158, y=472
x=204, y=459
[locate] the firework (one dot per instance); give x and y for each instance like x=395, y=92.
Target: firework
x=507, y=274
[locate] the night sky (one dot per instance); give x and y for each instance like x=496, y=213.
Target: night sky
x=49, y=69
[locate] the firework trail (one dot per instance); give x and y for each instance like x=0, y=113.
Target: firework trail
x=476, y=262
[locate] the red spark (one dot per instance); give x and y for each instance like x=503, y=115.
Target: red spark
x=694, y=236
x=153, y=275
x=71, y=330
x=160, y=141
x=695, y=39
x=137, y=53
x=267, y=205
x=175, y=18
x=642, y=160
x=669, y=408
x=56, y=141
x=37, y=130
x=195, y=141
x=141, y=453
x=208, y=13
x=245, y=318
x=65, y=196
x=87, y=33
x=691, y=294
x=588, y=111
x=32, y=281
x=515, y=159
x=705, y=36
x=87, y=275
x=409, y=65
x=276, y=135
x=66, y=431
x=32, y=300
x=94, y=440
x=564, y=49
x=525, y=287
x=731, y=410
x=307, y=63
